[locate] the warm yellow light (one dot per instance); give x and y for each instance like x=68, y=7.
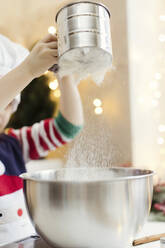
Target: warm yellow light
x=57, y=93
x=154, y=85
x=161, y=128
x=162, y=37
x=52, y=30
x=46, y=72
x=53, y=85
x=158, y=76
x=97, y=102
x=98, y=110
x=160, y=141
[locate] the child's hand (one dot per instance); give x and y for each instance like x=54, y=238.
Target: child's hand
x=43, y=56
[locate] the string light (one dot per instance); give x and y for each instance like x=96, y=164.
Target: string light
x=46, y=72
x=162, y=18
x=52, y=30
x=57, y=93
x=160, y=141
x=158, y=76
x=53, y=85
x=98, y=110
x=97, y=102
x=162, y=37
x=161, y=128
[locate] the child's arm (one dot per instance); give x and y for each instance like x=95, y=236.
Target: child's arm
x=49, y=134
x=42, y=137
x=42, y=57
x=70, y=101
x=13, y=83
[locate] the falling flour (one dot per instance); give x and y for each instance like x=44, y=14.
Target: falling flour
x=92, y=148
x=85, y=174
x=84, y=62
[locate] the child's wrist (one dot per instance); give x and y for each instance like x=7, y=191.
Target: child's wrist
x=26, y=67
x=71, y=79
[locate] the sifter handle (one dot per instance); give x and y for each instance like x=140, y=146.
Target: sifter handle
x=54, y=68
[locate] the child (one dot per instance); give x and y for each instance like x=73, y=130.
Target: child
x=19, y=146
x=15, y=68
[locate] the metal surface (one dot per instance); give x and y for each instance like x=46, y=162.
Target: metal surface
x=83, y=24
x=89, y=214
x=162, y=243
x=94, y=3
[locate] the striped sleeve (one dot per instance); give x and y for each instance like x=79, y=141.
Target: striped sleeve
x=40, y=138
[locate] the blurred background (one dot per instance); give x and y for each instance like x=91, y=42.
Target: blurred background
x=125, y=116
x=109, y=116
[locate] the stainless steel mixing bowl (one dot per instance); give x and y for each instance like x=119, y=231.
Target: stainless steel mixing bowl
x=105, y=209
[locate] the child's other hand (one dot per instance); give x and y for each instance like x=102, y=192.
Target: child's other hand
x=43, y=56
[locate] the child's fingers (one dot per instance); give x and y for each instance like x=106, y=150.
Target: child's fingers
x=49, y=38
x=53, y=52
x=53, y=45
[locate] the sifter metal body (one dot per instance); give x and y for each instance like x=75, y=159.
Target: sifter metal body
x=83, y=24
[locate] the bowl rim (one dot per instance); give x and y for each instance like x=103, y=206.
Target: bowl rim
x=147, y=173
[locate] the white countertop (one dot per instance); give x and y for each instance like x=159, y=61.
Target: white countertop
x=152, y=228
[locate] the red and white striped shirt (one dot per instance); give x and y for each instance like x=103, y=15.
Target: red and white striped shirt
x=39, y=139
x=36, y=141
